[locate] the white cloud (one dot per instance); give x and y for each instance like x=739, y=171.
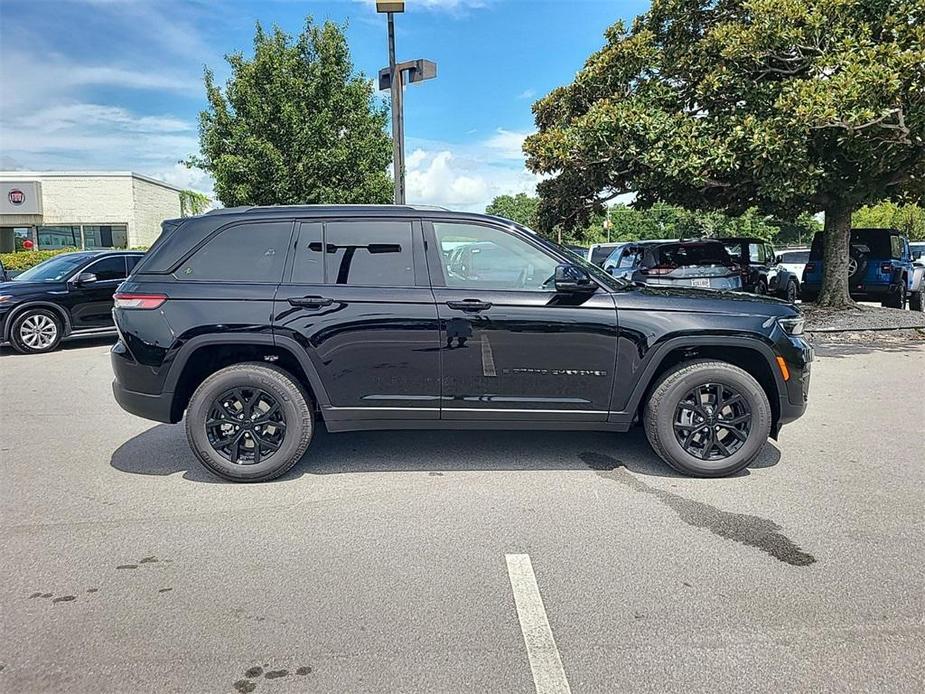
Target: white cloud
x=527, y=94
x=507, y=144
x=468, y=177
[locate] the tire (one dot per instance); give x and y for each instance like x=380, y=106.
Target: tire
x=860, y=258
x=917, y=299
x=791, y=294
x=238, y=384
x=761, y=288
x=661, y=415
x=36, y=331
x=897, y=298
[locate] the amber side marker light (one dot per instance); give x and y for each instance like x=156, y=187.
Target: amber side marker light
x=784, y=371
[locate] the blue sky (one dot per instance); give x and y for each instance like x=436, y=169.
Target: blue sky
x=117, y=84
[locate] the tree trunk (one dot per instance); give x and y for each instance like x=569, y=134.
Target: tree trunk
x=837, y=242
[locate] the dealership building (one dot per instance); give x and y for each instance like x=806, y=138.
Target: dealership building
x=84, y=209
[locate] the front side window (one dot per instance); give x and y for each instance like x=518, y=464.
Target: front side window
x=107, y=269
x=368, y=253
x=486, y=258
x=241, y=253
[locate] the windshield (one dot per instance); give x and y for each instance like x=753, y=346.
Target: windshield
x=600, y=253
x=53, y=270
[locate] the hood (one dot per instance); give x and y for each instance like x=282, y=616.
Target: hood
x=27, y=288
x=704, y=300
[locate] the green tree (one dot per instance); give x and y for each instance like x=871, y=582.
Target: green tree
x=909, y=219
x=295, y=124
x=520, y=208
x=193, y=202
x=788, y=106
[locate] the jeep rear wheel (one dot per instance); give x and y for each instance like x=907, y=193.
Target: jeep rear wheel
x=707, y=418
x=897, y=296
x=249, y=423
x=791, y=292
x=917, y=299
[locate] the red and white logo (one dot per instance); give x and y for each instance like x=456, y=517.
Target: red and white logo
x=17, y=197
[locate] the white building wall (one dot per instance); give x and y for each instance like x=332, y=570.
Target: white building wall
x=92, y=198
x=152, y=205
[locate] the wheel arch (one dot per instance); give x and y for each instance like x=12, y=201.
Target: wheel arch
x=204, y=355
x=21, y=308
x=750, y=354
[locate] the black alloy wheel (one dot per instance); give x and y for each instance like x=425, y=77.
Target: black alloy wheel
x=712, y=421
x=246, y=425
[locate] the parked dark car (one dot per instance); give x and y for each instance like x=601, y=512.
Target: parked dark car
x=703, y=264
x=64, y=296
x=881, y=268
x=257, y=322
x=761, y=273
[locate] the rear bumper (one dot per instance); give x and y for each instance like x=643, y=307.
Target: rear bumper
x=857, y=291
x=156, y=407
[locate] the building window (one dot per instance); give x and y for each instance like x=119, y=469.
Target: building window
x=105, y=236
x=51, y=237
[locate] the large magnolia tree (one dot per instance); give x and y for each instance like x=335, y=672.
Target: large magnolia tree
x=787, y=105
x=295, y=124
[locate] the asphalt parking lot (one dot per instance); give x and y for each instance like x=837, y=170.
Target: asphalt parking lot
x=389, y=562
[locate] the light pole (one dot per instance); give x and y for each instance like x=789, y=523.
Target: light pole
x=391, y=78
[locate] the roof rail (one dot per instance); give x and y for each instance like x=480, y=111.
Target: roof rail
x=252, y=208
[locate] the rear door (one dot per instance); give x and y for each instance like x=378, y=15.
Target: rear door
x=357, y=300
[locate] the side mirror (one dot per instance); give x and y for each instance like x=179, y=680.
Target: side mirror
x=571, y=278
x=85, y=278
x=916, y=255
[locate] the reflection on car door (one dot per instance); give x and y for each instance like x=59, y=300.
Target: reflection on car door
x=91, y=304
x=357, y=299
x=512, y=347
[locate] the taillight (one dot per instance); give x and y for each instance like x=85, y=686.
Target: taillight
x=140, y=301
x=809, y=267
x=657, y=270
x=886, y=268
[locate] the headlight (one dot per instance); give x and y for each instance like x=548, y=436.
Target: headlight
x=791, y=326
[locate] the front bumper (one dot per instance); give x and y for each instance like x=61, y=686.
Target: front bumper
x=798, y=355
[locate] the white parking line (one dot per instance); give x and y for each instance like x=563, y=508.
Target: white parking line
x=548, y=675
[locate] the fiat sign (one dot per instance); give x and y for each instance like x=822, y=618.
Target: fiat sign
x=21, y=198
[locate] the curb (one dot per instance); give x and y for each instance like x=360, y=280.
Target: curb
x=863, y=330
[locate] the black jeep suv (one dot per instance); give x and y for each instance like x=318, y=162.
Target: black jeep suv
x=258, y=322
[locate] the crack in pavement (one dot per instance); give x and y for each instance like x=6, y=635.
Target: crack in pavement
x=746, y=529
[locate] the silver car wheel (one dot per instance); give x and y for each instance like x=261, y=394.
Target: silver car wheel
x=38, y=331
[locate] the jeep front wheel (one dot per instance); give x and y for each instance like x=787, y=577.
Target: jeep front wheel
x=707, y=418
x=249, y=422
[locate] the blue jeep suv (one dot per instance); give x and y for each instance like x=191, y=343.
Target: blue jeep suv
x=880, y=268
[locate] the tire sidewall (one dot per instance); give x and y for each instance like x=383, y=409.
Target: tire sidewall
x=16, y=339
x=292, y=403
x=744, y=384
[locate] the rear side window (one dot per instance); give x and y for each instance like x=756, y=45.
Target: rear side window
x=797, y=257
x=107, y=269
x=241, y=253
x=369, y=253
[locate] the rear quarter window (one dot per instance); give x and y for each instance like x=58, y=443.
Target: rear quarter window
x=246, y=252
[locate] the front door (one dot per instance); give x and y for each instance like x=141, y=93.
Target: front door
x=91, y=303
x=357, y=299
x=513, y=348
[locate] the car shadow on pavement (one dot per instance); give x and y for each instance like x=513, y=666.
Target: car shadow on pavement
x=163, y=450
